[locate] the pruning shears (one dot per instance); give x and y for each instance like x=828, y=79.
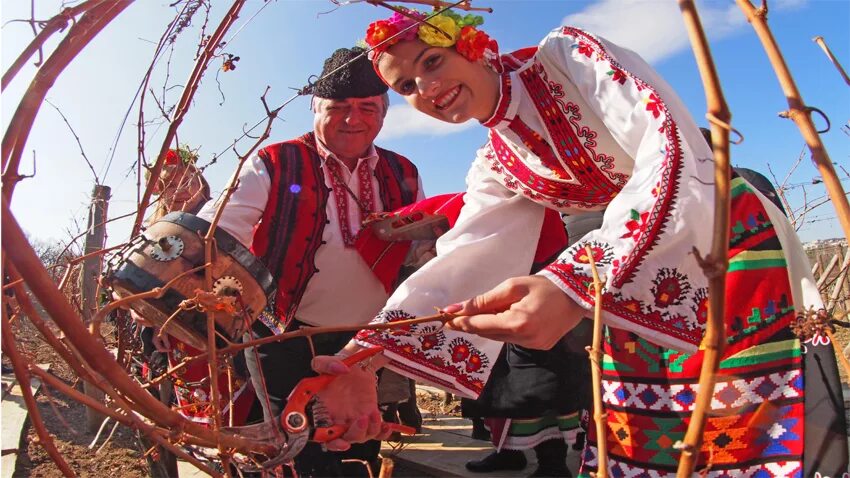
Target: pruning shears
x=296, y=427
x=294, y=420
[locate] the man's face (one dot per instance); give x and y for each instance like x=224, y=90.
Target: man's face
x=349, y=126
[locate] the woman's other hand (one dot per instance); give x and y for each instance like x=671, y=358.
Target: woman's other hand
x=351, y=399
x=529, y=311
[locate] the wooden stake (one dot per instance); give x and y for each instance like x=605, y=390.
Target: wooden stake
x=838, y=285
x=89, y=274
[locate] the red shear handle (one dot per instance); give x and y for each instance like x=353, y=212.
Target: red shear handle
x=362, y=355
x=293, y=418
x=324, y=435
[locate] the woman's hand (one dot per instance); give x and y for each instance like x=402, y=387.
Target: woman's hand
x=529, y=311
x=351, y=399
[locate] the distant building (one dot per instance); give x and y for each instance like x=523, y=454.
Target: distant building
x=825, y=243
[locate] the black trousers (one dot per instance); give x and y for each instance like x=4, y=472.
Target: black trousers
x=283, y=365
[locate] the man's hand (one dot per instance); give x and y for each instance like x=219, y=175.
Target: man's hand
x=351, y=399
x=529, y=311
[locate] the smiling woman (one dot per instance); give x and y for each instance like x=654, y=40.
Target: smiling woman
x=440, y=82
x=579, y=125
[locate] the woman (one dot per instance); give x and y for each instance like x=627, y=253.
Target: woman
x=181, y=187
x=578, y=124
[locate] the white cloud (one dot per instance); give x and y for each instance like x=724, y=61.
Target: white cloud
x=403, y=120
x=787, y=4
x=655, y=29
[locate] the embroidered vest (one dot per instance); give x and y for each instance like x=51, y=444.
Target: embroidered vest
x=290, y=231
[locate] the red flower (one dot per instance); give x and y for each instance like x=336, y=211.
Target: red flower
x=669, y=290
x=379, y=31
x=460, y=352
x=702, y=310
x=474, y=363
x=438, y=362
x=597, y=254
x=585, y=49
x=636, y=225
x=618, y=76
x=429, y=342
x=172, y=158
x=472, y=43
x=654, y=104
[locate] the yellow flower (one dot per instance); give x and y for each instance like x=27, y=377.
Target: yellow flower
x=434, y=36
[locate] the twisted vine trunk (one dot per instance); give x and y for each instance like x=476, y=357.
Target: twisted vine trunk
x=716, y=263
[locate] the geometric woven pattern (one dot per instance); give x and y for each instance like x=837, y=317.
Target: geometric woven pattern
x=619, y=469
x=730, y=394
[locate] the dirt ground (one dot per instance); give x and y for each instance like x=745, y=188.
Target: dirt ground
x=65, y=420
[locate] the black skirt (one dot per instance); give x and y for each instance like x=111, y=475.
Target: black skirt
x=526, y=383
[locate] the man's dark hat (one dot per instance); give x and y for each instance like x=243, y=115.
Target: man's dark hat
x=357, y=80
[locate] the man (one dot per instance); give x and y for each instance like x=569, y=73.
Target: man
x=299, y=207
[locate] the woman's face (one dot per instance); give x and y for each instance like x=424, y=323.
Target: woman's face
x=178, y=184
x=440, y=82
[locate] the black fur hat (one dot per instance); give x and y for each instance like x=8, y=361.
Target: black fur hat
x=357, y=80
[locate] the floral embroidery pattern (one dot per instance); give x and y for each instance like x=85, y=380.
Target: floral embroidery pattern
x=672, y=322
x=671, y=166
x=618, y=76
x=517, y=176
x=574, y=142
x=602, y=253
x=425, y=344
x=654, y=105
x=584, y=49
x=670, y=287
x=700, y=305
x=636, y=226
x=366, y=199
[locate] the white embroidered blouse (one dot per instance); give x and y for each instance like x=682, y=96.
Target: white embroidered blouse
x=581, y=125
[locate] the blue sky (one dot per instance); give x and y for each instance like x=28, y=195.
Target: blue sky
x=288, y=40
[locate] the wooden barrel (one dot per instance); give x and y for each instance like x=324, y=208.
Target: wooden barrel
x=173, y=245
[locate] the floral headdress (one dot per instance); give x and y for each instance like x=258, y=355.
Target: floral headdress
x=444, y=30
x=181, y=155
x=175, y=157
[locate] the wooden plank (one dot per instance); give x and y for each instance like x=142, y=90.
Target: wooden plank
x=14, y=414
x=444, y=447
x=188, y=470
x=825, y=276
x=839, y=282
